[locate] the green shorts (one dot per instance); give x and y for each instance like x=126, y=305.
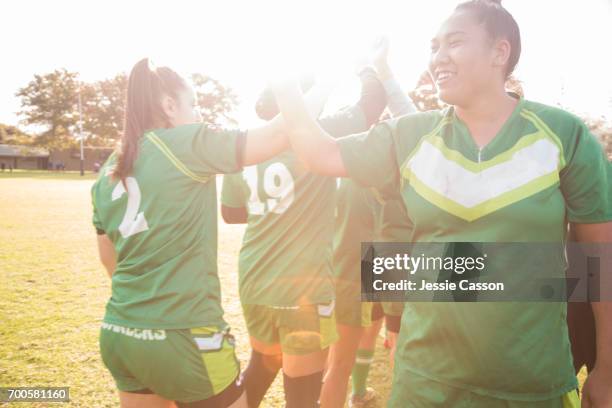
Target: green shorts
x=185, y=365
x=412, y=390
x=350, y=310
x=299, y=330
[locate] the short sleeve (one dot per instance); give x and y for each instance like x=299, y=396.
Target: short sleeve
x=233, y=193
x=200, y=149
x=586, y=180
x=219, y=150
x=370, y=159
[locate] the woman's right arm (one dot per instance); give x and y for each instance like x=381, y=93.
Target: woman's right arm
x=397, y=101
x=315, y=147
x=270, y=139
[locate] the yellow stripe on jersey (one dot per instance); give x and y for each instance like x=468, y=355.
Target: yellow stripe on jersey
x=174, y=160
x=487, y=207
x=471, y=190
x=540, y=125
x=570, y=400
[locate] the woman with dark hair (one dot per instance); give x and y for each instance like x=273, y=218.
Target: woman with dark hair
x=285, y=266
x=163, y=337
x=492, y=167
x=359, y=218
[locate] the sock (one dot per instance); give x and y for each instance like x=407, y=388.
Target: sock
x=360, y=371
x=303, y=392
x=259, y=375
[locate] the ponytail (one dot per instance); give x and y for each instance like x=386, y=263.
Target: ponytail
x=144, y=110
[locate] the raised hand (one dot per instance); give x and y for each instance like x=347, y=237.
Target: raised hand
x=380, y=53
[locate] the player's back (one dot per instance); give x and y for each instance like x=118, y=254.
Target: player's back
x=162, y=220
x=286, y=255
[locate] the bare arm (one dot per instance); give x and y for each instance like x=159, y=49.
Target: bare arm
x=233, y=215
x=108, y=257
x=397, y=101
x=267, y=141
x=317, y=149
x=597, y=391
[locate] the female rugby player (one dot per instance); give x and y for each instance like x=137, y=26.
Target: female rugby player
x=286, y=283
x=359, y=218
x=163, y=337
x=490, y=168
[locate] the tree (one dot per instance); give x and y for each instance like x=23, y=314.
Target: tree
x=50, y=101
x=12, y=135
x=602, y=129
x=214, y=100
x=103, y=104
x=514, y=85
x=425, y=95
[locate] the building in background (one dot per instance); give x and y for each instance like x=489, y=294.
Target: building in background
x=37, y=158
x=71, y=158
x=23, y=157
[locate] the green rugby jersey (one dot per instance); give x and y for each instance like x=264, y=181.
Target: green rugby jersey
x=357, y=221
x=394, y=224
x=286, y=254
x=541, y=170
x=165, y=229
x=361, y=216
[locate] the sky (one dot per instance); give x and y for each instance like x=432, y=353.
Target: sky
x=566, y=56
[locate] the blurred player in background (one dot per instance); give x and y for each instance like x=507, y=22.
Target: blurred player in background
x=359, y=218
x=285, y=266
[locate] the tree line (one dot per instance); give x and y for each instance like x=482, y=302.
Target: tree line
x=50, y=104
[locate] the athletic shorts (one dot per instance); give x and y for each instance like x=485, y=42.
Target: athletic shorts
x=298, y=329
x=410, y=390
x=184, y=365
x=350, y=310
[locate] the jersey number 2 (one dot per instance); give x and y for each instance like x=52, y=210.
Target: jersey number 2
x=277, y=184
x=133, y=221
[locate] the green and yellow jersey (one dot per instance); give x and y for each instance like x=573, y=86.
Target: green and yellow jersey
x=541, y=170
x=286, y=254
x=358, y=215
x=163, y=224
x=357, y=221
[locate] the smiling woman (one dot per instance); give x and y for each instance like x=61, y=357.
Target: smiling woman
x=462, y=58
x=529, y=169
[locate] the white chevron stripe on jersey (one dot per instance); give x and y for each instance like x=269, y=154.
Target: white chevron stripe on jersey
x=472, y=194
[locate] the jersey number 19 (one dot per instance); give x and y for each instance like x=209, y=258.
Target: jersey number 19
x=277, y=184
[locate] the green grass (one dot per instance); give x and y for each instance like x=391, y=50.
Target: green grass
x=54, y=290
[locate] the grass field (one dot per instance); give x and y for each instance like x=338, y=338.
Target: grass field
x=54, y=290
